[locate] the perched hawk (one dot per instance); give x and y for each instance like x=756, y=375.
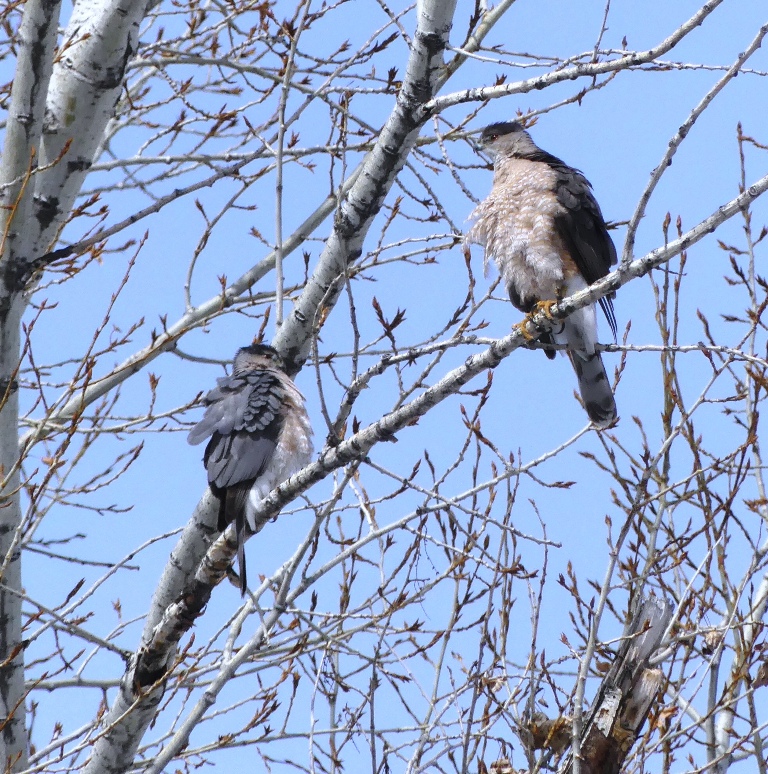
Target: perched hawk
x=259, y=437
x=544, y=230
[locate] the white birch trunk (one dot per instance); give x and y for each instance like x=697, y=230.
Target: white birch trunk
x=37, y=39
x=84, y=89
x=57, y=117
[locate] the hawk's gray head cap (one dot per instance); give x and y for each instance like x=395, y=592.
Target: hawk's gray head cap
x=255, y=355
x=507, y=138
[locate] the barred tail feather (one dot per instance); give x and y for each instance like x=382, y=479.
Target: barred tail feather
x=594, y=387
x=240, y=529
x=233, y=503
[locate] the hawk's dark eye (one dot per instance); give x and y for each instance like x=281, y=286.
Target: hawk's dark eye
x=493, y=137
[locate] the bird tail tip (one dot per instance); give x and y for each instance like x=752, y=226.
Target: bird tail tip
x=595, y=389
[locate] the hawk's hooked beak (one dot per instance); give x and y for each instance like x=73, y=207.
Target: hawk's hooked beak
x=480, y=146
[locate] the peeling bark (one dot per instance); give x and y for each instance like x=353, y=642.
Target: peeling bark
x=58, y=113
x=625, y=695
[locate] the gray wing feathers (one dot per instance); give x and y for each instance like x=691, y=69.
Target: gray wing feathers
x=232, y=459
x=248, y=401
x=243, y=418
x=583, y=230
x=594, y=387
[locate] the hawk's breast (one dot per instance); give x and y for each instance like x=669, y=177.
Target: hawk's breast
x=515, y=224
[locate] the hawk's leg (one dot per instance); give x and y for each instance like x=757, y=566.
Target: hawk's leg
x=544, y=337
x=545, y=307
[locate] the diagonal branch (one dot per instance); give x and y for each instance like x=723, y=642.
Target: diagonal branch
x=682, y=133
x=180, y=616
x=380, y=169
x=587, y=70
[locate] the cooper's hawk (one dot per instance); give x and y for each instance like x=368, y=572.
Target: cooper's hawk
x=544, y=230
x=259, y=436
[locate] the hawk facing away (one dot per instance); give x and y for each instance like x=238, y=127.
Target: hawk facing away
x=259, y=437
x=544, y=231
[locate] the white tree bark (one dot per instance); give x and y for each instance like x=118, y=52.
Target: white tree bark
x=37, y=39
x=84, y=89
x=57, y=118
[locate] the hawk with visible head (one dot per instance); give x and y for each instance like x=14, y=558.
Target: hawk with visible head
x=259, y=437
x=544, y=230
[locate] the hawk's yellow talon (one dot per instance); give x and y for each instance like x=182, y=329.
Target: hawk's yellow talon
x=545, y=307
x=523, y=328
x=540, y=306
